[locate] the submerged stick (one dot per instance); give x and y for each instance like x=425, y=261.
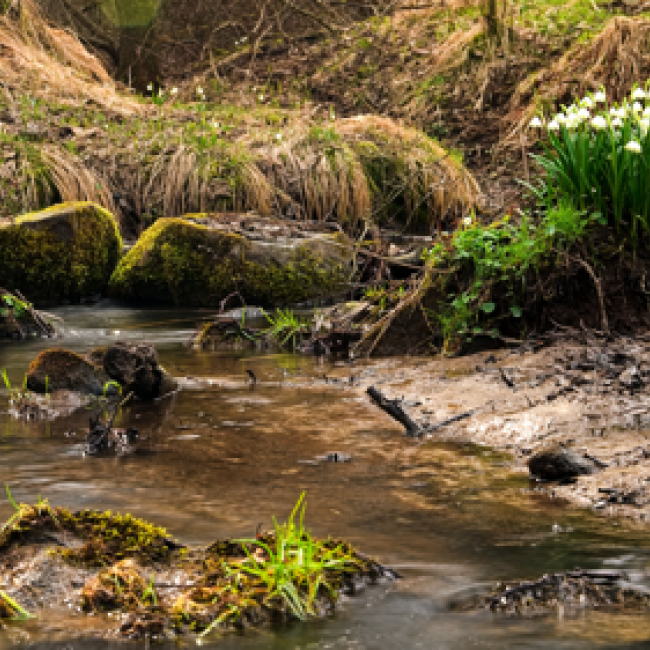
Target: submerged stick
x=395, y=411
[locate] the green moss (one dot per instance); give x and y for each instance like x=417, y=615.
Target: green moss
x=187, y=264
x=112, y=537
x=61, y=253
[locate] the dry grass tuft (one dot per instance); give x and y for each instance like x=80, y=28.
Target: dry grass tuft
x=410, y=172
x=52, y=63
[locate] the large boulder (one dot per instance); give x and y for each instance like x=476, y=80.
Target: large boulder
x=62, y=253
x=58, y=369
x=199, y=260
x=136, y=368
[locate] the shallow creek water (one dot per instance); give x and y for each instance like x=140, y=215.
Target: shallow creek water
x=220, y=457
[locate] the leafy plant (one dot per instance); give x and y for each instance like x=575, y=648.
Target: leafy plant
x=482, y=257
x=285, y=326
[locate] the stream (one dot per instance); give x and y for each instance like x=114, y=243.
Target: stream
x=221, y=457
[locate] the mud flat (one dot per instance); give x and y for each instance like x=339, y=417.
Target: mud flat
x=583, y=393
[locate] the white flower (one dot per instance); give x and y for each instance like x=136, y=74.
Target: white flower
x=261, y=98
x=637, y=107
x=174, y=91
x=560, y=118
x=600, y=97
x=553, y=125
x=467, y=221
x=617, y=122
x=215, y=125
x=638, y=94
x=617, y=112
x=646, y=112
x=535, y=123
x=599, y=122
x=644, y=125
x=199, y=91
x=587, y=102
x=633, y=146
x=583, y=114
x=150, y=87
x=572, y=109
x=278, y=136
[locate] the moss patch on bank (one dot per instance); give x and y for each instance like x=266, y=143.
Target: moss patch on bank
x=181, y=262
x=62, y=253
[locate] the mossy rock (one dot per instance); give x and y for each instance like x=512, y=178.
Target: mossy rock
x=60, y=254
x=186, y=263
x=58, y=369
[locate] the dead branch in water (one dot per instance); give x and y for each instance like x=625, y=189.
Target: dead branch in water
x=395, y=411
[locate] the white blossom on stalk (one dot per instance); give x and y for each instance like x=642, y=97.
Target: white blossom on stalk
x=535, y=123
x=617, y=122
x=644, y=125
x=637, y=107
x=583, y=114
x=174, y=91
x=587, y=102
x=638, y=93
x=599, y=122
x=617, y=112
x=553, y=125
x=467, y=221
x=646, y=112
x=560, y=118
x=261, y=98
x=600, y=97
x=199, y=91
x=633, y=146
x=150, y=87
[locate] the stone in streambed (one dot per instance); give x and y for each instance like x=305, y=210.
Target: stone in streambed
x=59, y=254
x=559, y=463
x=58, y=369
x=199, y=260
x=136, y=369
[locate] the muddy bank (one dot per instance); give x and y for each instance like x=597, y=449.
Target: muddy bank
x=579, y=392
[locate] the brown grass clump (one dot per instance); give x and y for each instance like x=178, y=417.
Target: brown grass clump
x=410, y=173
x=52, y=63
x=615, y=59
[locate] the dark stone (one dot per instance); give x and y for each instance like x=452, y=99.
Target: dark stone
x=136, y=368
x=559, y=463
x=58, y=369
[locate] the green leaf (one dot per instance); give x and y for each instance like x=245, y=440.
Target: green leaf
x=516, y=312
x=488, y=307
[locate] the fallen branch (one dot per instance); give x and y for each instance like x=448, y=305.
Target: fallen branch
x=393, y=409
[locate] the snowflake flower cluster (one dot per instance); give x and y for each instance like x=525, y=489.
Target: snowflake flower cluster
x=593, y=114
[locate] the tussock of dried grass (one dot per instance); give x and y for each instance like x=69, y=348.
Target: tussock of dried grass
x=617, y=58
x=73, y=181
x=425, y=175
x=53, y=63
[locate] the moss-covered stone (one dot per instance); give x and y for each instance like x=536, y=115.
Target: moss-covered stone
x=61, y=253
x=185, y=263
x=59, y=369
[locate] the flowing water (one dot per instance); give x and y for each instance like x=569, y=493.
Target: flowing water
x=220, y=457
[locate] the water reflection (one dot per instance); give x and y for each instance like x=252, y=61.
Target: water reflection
x=218, y=458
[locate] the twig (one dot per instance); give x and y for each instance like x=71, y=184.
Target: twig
x=599, y=291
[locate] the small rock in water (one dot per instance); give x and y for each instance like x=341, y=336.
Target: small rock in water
x=559, y=463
